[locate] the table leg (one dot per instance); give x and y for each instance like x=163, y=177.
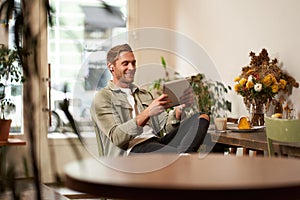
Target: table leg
x=246, y=151
x=258, y=153
x=3, y=151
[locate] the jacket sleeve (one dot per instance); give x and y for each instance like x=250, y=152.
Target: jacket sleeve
x=164, y=122
x=110, y=122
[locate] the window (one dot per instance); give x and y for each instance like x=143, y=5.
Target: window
x=77, y=55
x=13, y=90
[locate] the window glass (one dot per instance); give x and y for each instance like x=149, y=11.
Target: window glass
x=13, y=90
x=77, y=55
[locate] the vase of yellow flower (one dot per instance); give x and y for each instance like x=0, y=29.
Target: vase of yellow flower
x=257, y=111
x=260, y=82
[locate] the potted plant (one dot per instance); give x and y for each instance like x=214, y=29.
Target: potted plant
x=6, y=107
x=10, y=75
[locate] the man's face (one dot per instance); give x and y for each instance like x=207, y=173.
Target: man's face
x=124, y=69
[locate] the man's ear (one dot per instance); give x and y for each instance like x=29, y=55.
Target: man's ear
x=110, y=67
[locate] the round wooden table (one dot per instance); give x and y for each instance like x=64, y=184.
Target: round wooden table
x=170, y=176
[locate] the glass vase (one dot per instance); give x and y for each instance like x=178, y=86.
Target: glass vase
x=257, y=114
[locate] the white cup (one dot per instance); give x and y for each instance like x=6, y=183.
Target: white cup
x=220, y=123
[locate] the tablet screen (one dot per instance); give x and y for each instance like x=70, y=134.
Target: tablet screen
x=175, y=89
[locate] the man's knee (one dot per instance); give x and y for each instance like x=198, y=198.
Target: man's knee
x=205, y=116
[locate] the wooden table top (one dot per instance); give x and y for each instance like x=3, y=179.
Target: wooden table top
x=169, y=176
x=12, y=142
x=252, y=140
x=256, y=140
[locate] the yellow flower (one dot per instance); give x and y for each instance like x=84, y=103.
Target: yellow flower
x=249, y=71
x=275, y=88
x=282, y=83
x=236, y=79
x=249, y=84
x=237, y=87
x=243, y=81
x=267, y=80
x=274, y=81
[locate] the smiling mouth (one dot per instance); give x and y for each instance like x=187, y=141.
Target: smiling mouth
x=129, y=75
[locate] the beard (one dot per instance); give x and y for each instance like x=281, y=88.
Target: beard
x=126, y=79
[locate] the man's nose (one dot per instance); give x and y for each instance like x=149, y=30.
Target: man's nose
x=131, y=66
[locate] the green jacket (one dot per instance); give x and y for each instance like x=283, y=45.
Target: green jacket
x=112, y=117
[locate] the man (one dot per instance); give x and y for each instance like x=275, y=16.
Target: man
x=129, y=119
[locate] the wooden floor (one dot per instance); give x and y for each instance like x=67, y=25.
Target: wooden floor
x=26, y=190
x=71, y=194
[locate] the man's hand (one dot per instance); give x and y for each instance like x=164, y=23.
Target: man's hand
x=188, y=97
x=186, y=100
x=157, y=106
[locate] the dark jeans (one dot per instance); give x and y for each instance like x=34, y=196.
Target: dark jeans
x=186, y=138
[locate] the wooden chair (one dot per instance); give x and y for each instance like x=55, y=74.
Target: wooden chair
x=282, y=131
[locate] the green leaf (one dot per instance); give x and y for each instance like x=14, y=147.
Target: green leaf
x=163, y=62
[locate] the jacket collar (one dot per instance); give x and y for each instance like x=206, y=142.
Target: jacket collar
x=116, y=88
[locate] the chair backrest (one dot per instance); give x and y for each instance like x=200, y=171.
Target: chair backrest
x=281, y=130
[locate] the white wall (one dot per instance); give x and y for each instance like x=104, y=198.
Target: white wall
x=229, y=29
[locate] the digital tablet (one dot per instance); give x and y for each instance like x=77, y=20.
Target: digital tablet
x=175, y=89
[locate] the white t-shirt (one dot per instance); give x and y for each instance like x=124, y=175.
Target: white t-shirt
x=147, y=130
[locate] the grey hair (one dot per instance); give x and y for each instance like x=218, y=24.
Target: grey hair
x=114, y=52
